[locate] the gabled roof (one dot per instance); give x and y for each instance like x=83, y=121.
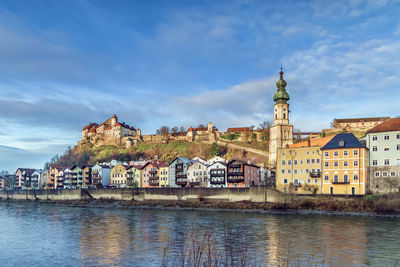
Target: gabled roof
x=242, y=162
x=28, y=171
x=349, y=141
x=387, y=126
x=185, y=160
x=222, y=163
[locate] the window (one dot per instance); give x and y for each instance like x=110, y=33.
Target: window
x=295, y=171
x=307, y=170
x=345, y=178
x=288, y=171
x=374, y=138
x=335, y=178
x=384, y=174
x=308, y=153
x=355, y=163
x=308, y=181
x=345, y=153
x=336, y=153
x=345, y=164
x=375, y=148
x=336, y=164
x=283, y=162
x=312, y=160
x=315, y=181
x=308, y=161
x=386, y=137
x=398, y=146
x=386, y=148
x=355, y=152
x=398, y=136
x=377, y=174
x=301, y=171
x=326, y=154
x=295, y=162
x=355, y=177
x=392, y=174
x=301, y=161
x=289, y=162
x=374, y=162
x=318, y=160
x=285, y=181
x=386, y=162
x=326, y=177
x=283, y=171
x=296, y=182
x=326, y=164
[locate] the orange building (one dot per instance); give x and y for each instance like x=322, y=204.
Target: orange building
x=151, y=173
x=345, y=164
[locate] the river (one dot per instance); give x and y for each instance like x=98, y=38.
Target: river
x=35, y=234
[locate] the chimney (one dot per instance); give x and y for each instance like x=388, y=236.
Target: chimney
x=308, y=142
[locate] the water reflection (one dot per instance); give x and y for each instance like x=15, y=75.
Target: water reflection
x=56, y=235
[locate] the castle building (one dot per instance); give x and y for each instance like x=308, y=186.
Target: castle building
x=281, y=132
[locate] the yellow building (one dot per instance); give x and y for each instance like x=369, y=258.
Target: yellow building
x=163, y=173
x=299, y=167
x=345, y=166
x=118, y=176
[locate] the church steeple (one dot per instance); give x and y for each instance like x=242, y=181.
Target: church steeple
x=281, y=96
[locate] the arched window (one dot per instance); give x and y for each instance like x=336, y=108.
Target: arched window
x=284, y=116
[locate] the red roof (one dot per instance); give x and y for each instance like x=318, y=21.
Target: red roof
x=190, y=129
x=387, y=126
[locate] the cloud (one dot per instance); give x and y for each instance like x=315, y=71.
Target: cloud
x=12, y=158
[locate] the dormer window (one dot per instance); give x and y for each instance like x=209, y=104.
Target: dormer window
x=341, y=143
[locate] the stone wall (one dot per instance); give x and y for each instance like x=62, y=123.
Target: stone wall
x=254, y=194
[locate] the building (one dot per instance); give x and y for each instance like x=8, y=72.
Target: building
x=281, y=132
x=118, y=176
x=177, y=171
x=59, y=179
x=197, y=174
x=345, y=166
x=109, y=132
x=216, y=173
x=76, y=177
x=68, y=179
x=35, y=179
x=208, y=133
x=134, y=176
x=55, y=180
x=151, y=174
x=87, y=176
x=215, y=159
x=164, y=176
x=44, y=178
x=357, y=124
x=101, y=175
x=383, y=143
x=195, y=159
x=299, y=166
x=23, y=178
x=242, y=174
x=9, y=182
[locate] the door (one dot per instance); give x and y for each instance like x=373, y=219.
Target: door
x=331, y=190
x=353, y=191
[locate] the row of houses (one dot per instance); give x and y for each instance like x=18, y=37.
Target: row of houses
x=181, y=172
x=341, y=164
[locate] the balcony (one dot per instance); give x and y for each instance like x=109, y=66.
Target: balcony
x=235, y=173
x=216, y=181
x=235, y=165
x=340, y=182
x=181, y=181
x=180, y=176
x=194, y=183
x=153, y=171
x=154, y=182
x=315, y=174
x=231, y=179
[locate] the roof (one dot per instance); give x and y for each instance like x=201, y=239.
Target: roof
x=387, y=126
x=222, y=163
x=349, y=141
x=179, y=134
x=239, y=129
x=157, y=164
x=185, y=160
x=314, y=142
x=361, y=119
x=27, y=170
x=200, y=129
x=242, y=162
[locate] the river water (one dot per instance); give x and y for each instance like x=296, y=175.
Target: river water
x=34, y=234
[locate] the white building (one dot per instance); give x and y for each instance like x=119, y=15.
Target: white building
x=216, y=173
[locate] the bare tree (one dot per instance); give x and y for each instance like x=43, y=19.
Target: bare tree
x=182, y=129
x=201, y=126
x=175, y=129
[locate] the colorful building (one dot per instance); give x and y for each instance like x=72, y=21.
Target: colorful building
x=242, y=174
x=76, y=177
x=383, y=143
x=118, y=176
x=299, y=166
x=87, y=176
x=177, y=171
x=35, y=179
x=101, y=175
x=164, y=176
x=151, y=174
x=345, y=166
x=197, y=174
x=216, y=173
x=23, y=178
x=134, y=176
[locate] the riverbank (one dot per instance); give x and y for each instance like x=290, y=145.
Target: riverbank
x=386, y=205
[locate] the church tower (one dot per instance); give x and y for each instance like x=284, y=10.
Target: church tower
x=281, y=132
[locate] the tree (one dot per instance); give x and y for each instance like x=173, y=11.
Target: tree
x=175, y=129
x=201, y=126
x=182, y=129
x=264, y=125
x=214, y=149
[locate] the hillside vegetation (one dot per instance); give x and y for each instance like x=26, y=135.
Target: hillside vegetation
x=89, y=155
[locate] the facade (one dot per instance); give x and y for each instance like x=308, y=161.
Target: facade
x=197, y=175
x=242, y=174
x=281, y=132
x=383, y=143
x=52, y=178
x=44, y=177
x=59, y=179
x=345, y=166
x=87, y=176
x=299, y=167
x=35, y=179
x=23, y=178
x=134, y=176
x=164, y=176
x=151, y=174
x=118, y=176
x=217, y=175
x=208, y=134
x=177, y=171
x=67, y=183
x=101, y=175
x=358, y=124
x=76, y=177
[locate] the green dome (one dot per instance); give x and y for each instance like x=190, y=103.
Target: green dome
x=281, y=96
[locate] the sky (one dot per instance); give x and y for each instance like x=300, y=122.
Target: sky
x=66, y=63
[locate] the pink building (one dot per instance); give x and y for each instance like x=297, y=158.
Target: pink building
x=242, y=174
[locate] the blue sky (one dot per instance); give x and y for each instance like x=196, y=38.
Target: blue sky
x=180, y=63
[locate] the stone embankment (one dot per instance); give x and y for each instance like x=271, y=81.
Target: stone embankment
x=251, y=194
